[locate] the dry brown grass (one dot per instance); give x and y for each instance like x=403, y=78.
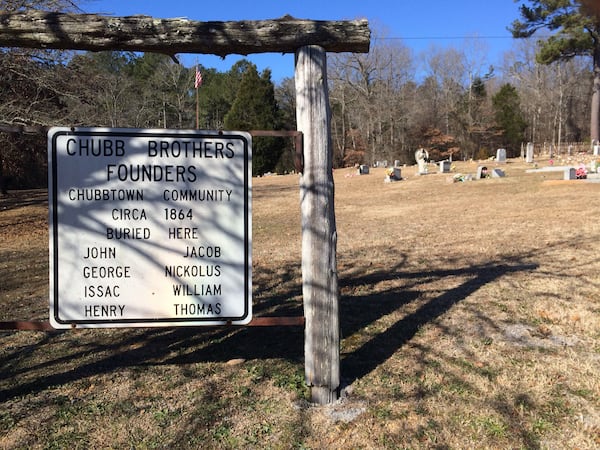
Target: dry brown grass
x=469, y=311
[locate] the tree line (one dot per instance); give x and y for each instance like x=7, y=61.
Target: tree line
x=385, y=104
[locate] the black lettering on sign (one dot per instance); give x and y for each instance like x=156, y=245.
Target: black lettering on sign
x=194, y=309
x=106, y=272
x=196, y=290
x=103, y=310
x=95, y=147
x=191, y=149
x=183, y=233
x=202, y=252
x=208, y=270
x=100, y=253
x=128, y=233
x=101, y=291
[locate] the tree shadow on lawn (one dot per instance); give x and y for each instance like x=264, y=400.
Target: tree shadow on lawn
x=382, y=346
x=59, y=358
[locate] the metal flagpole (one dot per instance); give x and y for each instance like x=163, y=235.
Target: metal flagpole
x=197, y=85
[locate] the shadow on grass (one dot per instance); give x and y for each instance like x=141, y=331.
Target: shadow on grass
x=377, y=350
x=59, y=358
x=21, y=198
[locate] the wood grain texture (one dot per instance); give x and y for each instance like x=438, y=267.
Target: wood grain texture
x=319, y=235
x=38, y=29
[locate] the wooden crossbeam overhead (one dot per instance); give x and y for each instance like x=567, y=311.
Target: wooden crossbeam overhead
x=92, y=32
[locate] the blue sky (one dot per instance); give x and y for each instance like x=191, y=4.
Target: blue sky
x=419, y=24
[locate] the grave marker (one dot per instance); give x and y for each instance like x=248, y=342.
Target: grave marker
x=482, y=172
x=393, y=174
x=445, y=166
x=529, y=153
x=501, y=155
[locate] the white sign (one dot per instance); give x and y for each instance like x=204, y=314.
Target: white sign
x=149, y=227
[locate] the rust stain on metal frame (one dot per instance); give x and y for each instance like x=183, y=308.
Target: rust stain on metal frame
x=256, y=322
x=24, y=325
x=277, y=321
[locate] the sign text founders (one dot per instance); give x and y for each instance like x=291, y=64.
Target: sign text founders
x=149, y=227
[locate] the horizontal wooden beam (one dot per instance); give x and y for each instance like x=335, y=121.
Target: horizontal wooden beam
x=92, y=32
x=23, y=129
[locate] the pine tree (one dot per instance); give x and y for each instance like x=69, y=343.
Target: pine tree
x=577, y=32
x=255, y=108
x=509, y=118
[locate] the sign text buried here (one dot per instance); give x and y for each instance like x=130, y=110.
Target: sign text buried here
x=149, y=227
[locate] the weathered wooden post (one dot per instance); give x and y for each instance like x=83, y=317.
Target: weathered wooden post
x=319, y=236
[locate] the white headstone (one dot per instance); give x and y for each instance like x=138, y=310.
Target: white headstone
x=501, y=155
x=529, y=153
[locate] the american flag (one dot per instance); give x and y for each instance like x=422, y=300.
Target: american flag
x=198, y=79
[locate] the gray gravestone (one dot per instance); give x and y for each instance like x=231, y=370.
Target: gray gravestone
x=393, y=174
x=498, y=173
x=445, y=166
x=363, y=169
x=570, y=174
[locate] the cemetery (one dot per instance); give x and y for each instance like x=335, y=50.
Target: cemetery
x=441, y=304
x=468, y=317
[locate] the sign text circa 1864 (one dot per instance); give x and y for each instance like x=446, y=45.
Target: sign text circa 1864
x=149, y=227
